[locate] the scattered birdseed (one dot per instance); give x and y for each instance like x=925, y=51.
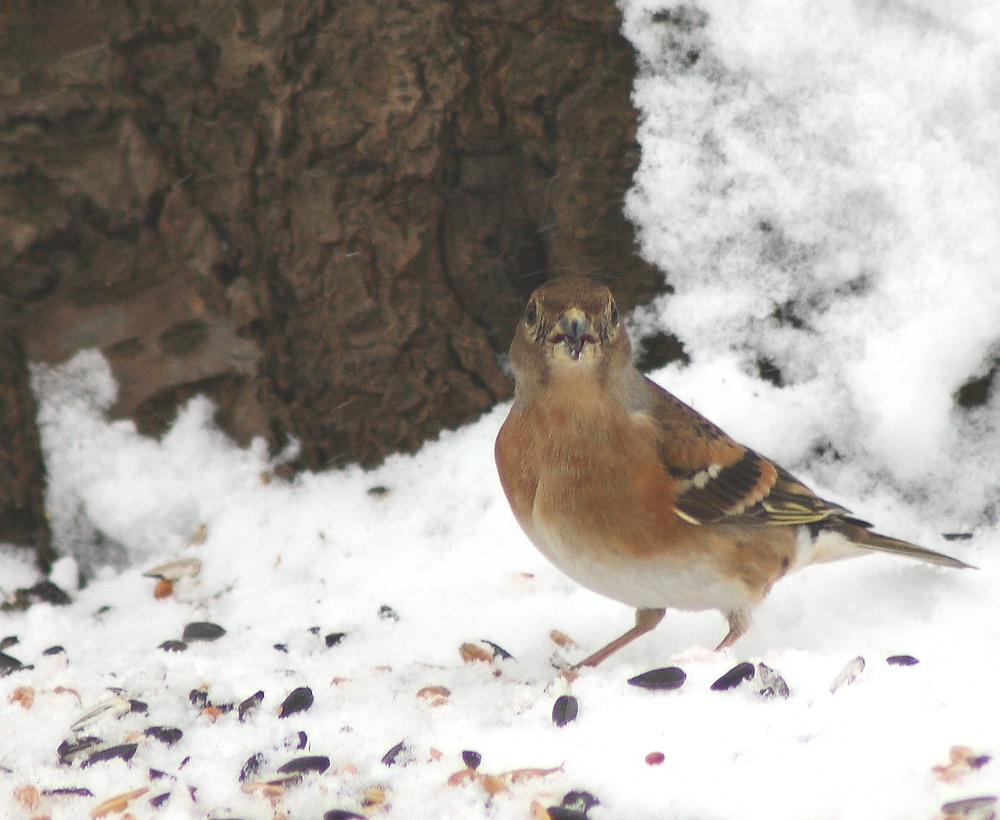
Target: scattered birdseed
x=341, y=814
x=901, y=660
x=669, y=677
x=772, y=685
x=202, y=631
x=9, y=664
x=175, y=570
x=118, y=803
x=499, y=651
x=305, y=765
x=68, y=791
x=655, y=758
x=974, y=808
x=299, y=700
x=250, y=704
x=734, y=677
x=125, y=751
x=252, y=767
x=173, y=646
x=387, y=613
x=565, y=710
x=562, y=813
x=472, y=759
x=848, y=674
x=334, y=638
x=69, y=750
x=165, y=734
x=390, y=757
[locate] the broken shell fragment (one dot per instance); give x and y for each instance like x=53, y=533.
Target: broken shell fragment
x=175, y=570
x=772, y=685
x=562, y=640
x=849, y=673
x=473, y=653
x=250, y=704
x=434, y=695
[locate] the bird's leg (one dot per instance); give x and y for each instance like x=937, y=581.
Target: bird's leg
x=645, y=621
x=739, y=622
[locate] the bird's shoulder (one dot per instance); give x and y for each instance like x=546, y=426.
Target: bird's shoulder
x=720, y=480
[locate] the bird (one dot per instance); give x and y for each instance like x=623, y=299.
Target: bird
x=635, y=495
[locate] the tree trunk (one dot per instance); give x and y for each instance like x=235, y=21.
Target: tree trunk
x=325, y=215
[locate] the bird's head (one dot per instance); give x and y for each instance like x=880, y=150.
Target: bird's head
x=570, y=324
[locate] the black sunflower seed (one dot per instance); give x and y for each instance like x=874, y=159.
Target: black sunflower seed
x=565, y=710
x=173, y=646
x=734, y=677
x=198, y=697
x=304, y=765
x=563, y=813
x=472, y=759
x=334, y=638
x=159, y=800
x=342, y=814
x=669, y=677
x=202, y=631
x=390, y=757
x=165, y=734
x=299, y=700
x=123, y=752
x=54, y=650
x=499, y=651
x=901, y=660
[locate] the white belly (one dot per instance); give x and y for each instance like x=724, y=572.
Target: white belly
x=641, y=583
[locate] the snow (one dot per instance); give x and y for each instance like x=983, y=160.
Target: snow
x=828, y=161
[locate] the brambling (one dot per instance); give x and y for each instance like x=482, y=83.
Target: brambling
x=635, y=495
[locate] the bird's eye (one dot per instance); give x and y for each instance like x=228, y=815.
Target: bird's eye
x=614, y=314
x=531, y=314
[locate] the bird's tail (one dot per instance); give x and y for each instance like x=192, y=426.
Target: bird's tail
x=867, y=539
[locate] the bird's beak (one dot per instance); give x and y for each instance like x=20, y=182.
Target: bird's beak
x=574, y=332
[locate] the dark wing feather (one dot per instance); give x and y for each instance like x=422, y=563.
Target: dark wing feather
x=722, y=480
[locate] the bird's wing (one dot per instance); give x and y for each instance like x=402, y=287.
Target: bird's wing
x=719, y=480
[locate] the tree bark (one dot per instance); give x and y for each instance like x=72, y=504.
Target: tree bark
x=325, y=215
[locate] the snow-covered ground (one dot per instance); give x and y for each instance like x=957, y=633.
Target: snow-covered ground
x=823, y=186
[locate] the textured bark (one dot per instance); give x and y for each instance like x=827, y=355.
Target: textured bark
x=22, y=515
x=325, y=215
